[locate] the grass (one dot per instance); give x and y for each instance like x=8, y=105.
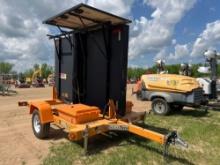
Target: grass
x=201, y=130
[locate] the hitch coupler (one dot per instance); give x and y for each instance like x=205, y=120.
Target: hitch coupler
x=173, y=138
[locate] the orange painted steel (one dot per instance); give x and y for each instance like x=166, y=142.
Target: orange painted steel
x=154, y=136
x=112, y=110
x=78, y=113
x=97, y=127
x=76, y=117
x=54, y=93
x=44, y=109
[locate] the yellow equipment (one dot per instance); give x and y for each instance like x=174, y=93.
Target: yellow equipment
x=169, y=82
x=36, y=79
x=28, y=80
x=169, y=91
x=51, y=79
x=37, y=73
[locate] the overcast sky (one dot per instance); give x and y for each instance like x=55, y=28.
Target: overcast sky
x=174, y=30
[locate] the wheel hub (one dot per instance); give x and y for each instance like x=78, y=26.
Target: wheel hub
x=36, y=123
x=159, y=107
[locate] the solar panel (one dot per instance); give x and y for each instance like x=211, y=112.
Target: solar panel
x=83, y=16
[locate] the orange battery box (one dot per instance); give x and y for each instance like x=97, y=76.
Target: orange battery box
x=78, y=113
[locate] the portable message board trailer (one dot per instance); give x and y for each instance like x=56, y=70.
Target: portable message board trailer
x=89, y=97
x=91, y=64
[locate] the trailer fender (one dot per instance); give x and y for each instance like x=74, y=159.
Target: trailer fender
x=44, y=109
x=163, y=95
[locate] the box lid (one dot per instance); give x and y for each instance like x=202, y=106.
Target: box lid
x=76, y=109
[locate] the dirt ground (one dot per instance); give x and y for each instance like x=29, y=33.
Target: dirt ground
x=18, y=145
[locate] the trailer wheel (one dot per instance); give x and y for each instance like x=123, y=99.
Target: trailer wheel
x=176, y=107
x=41, y=131
x=160, y=106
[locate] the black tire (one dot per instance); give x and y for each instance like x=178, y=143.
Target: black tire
x=177, y=107
x=160, y=106
x=41, y=131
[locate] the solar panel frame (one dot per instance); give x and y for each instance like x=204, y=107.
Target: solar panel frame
x=83, y=16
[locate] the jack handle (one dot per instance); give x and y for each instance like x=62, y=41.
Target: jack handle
x=175, y=139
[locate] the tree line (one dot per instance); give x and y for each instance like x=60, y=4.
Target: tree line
x=132, y=73
x=135, y=73
x=8, y=68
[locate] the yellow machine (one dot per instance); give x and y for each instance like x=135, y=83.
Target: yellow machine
x=36, y=79
x=170, y=82
x=169, y=91
x=83, y=105
x=37, y=73
x=28, y=80
x=51, y=79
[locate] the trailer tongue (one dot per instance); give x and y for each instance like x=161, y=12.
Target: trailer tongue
x=89, y=96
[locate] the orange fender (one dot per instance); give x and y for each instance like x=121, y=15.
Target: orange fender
x=44, y=109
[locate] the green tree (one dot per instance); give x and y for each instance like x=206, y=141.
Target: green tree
x=135, y=73
x=36, y=66
x=5, y=67
x=46, y=70
x=173, y=69
x=29, y=73
x=21, y=77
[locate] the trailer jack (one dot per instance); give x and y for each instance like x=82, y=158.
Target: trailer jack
x=174, y=139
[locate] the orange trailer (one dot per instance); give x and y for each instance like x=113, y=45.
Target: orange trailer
x=73, y=111
x=83, y=121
